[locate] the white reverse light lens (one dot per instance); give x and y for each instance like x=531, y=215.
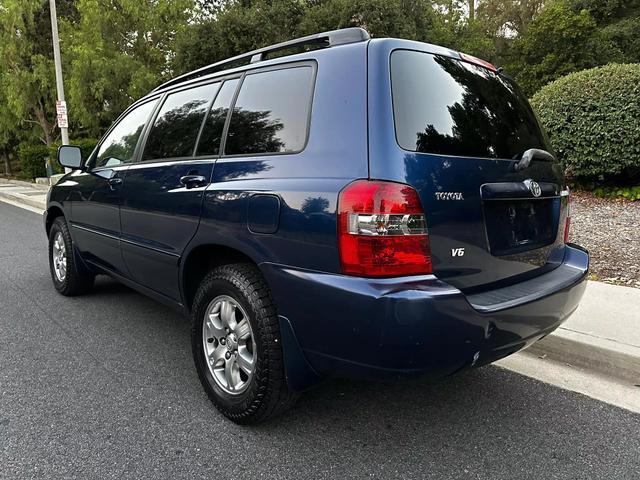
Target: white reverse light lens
x=387, y=224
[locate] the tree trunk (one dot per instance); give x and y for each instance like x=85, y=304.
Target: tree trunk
x=7, y=166
x=46, y=126
x=472, y=10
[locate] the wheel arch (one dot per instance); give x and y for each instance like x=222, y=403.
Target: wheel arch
x=200, y=260
x=53, y=212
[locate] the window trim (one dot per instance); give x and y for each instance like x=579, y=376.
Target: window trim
x=90, y=162
x=223, y=135
x=281, y=66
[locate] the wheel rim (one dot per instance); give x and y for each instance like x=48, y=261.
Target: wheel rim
x=229, y=346
x=59, y=257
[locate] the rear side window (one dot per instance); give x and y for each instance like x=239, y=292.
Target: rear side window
x=271, y=114
x=177, y=125
x=212, y=131
x=447, y=106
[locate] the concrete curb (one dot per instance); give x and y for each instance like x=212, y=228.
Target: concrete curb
x=23, y=199
x=596, y=354
x=23, y=183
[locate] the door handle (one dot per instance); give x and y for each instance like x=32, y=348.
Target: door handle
x=191, y=181
x=114, y=182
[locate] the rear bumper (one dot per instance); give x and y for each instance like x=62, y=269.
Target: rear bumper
x=359, y=327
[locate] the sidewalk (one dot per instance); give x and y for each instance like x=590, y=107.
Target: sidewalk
x=602, y=335
x=22, y=194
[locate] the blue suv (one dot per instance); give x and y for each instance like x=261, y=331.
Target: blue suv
x=330, y=206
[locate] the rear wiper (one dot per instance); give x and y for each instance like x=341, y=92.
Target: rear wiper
x=530, y=155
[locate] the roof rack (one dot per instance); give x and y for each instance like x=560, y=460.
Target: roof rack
x=318, y=40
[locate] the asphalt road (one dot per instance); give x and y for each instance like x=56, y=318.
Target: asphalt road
x=103, y=386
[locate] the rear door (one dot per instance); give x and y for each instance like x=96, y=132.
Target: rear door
x=163, y=193
x=460, y=130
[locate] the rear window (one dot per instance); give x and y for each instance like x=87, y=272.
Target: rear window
x=447, y=106
x=271, y=114
x=177, y=125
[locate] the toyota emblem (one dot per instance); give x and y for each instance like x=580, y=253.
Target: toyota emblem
x=534, y=188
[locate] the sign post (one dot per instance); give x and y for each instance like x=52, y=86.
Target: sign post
x=61, y=105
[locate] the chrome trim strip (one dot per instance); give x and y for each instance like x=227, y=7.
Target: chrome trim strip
x=97, y=232
x=130, y=242
x=148, y=247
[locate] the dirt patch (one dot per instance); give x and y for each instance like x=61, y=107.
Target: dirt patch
x=610, y=230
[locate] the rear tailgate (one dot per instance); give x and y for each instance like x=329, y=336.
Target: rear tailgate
x=491, y=228
x=461, y=130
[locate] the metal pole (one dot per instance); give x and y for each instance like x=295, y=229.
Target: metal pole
x=64, y=131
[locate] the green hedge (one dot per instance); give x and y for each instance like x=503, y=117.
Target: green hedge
x=593, y=121
x=33, y=157
x=32, y=160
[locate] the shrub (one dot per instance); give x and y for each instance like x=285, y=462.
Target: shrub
x=628, y=193
x=33, y=159
x=593, y=120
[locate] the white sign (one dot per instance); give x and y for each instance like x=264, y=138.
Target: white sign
x=61, y=111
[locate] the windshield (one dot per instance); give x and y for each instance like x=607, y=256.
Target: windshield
x=451, y=107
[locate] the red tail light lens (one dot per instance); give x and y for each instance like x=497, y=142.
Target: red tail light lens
x=382, y=230
x=567, y=222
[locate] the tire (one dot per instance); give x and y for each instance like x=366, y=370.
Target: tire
x=72, y=283
x=264, y=394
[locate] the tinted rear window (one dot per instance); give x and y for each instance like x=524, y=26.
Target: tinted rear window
x=177, y=125
x=271, y=114
x=450, y=107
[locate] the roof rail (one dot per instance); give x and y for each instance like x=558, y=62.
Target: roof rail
x=318, y=40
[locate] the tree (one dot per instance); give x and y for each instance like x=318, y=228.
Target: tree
x=507, y=18
x=240, y=26
x=28, y=85
x=237, y=27
x=118, y=50
x=558, y=41
x=618, y=25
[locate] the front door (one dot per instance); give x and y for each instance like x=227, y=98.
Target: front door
x=163, y=193
x=96, y=201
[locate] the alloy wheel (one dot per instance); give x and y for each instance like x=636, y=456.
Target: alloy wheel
x=229, y=344
x=59, y=257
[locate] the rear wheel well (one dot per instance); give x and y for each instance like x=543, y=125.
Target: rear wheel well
x=201, y=261
x=52, y=214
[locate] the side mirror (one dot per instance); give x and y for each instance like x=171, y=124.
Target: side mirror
x=70, y=156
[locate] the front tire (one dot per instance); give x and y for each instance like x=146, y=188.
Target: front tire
x=62, y=263
x=235, y=339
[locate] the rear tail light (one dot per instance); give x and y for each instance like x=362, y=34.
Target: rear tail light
x=382, y=230
x=567, y=222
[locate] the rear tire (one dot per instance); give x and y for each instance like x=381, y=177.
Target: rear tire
x=62, y=263
x=249, y=390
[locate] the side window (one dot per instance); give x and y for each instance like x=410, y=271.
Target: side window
x=212, y=131
x=271, y=113
x=176, y=127
x=119, y=146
